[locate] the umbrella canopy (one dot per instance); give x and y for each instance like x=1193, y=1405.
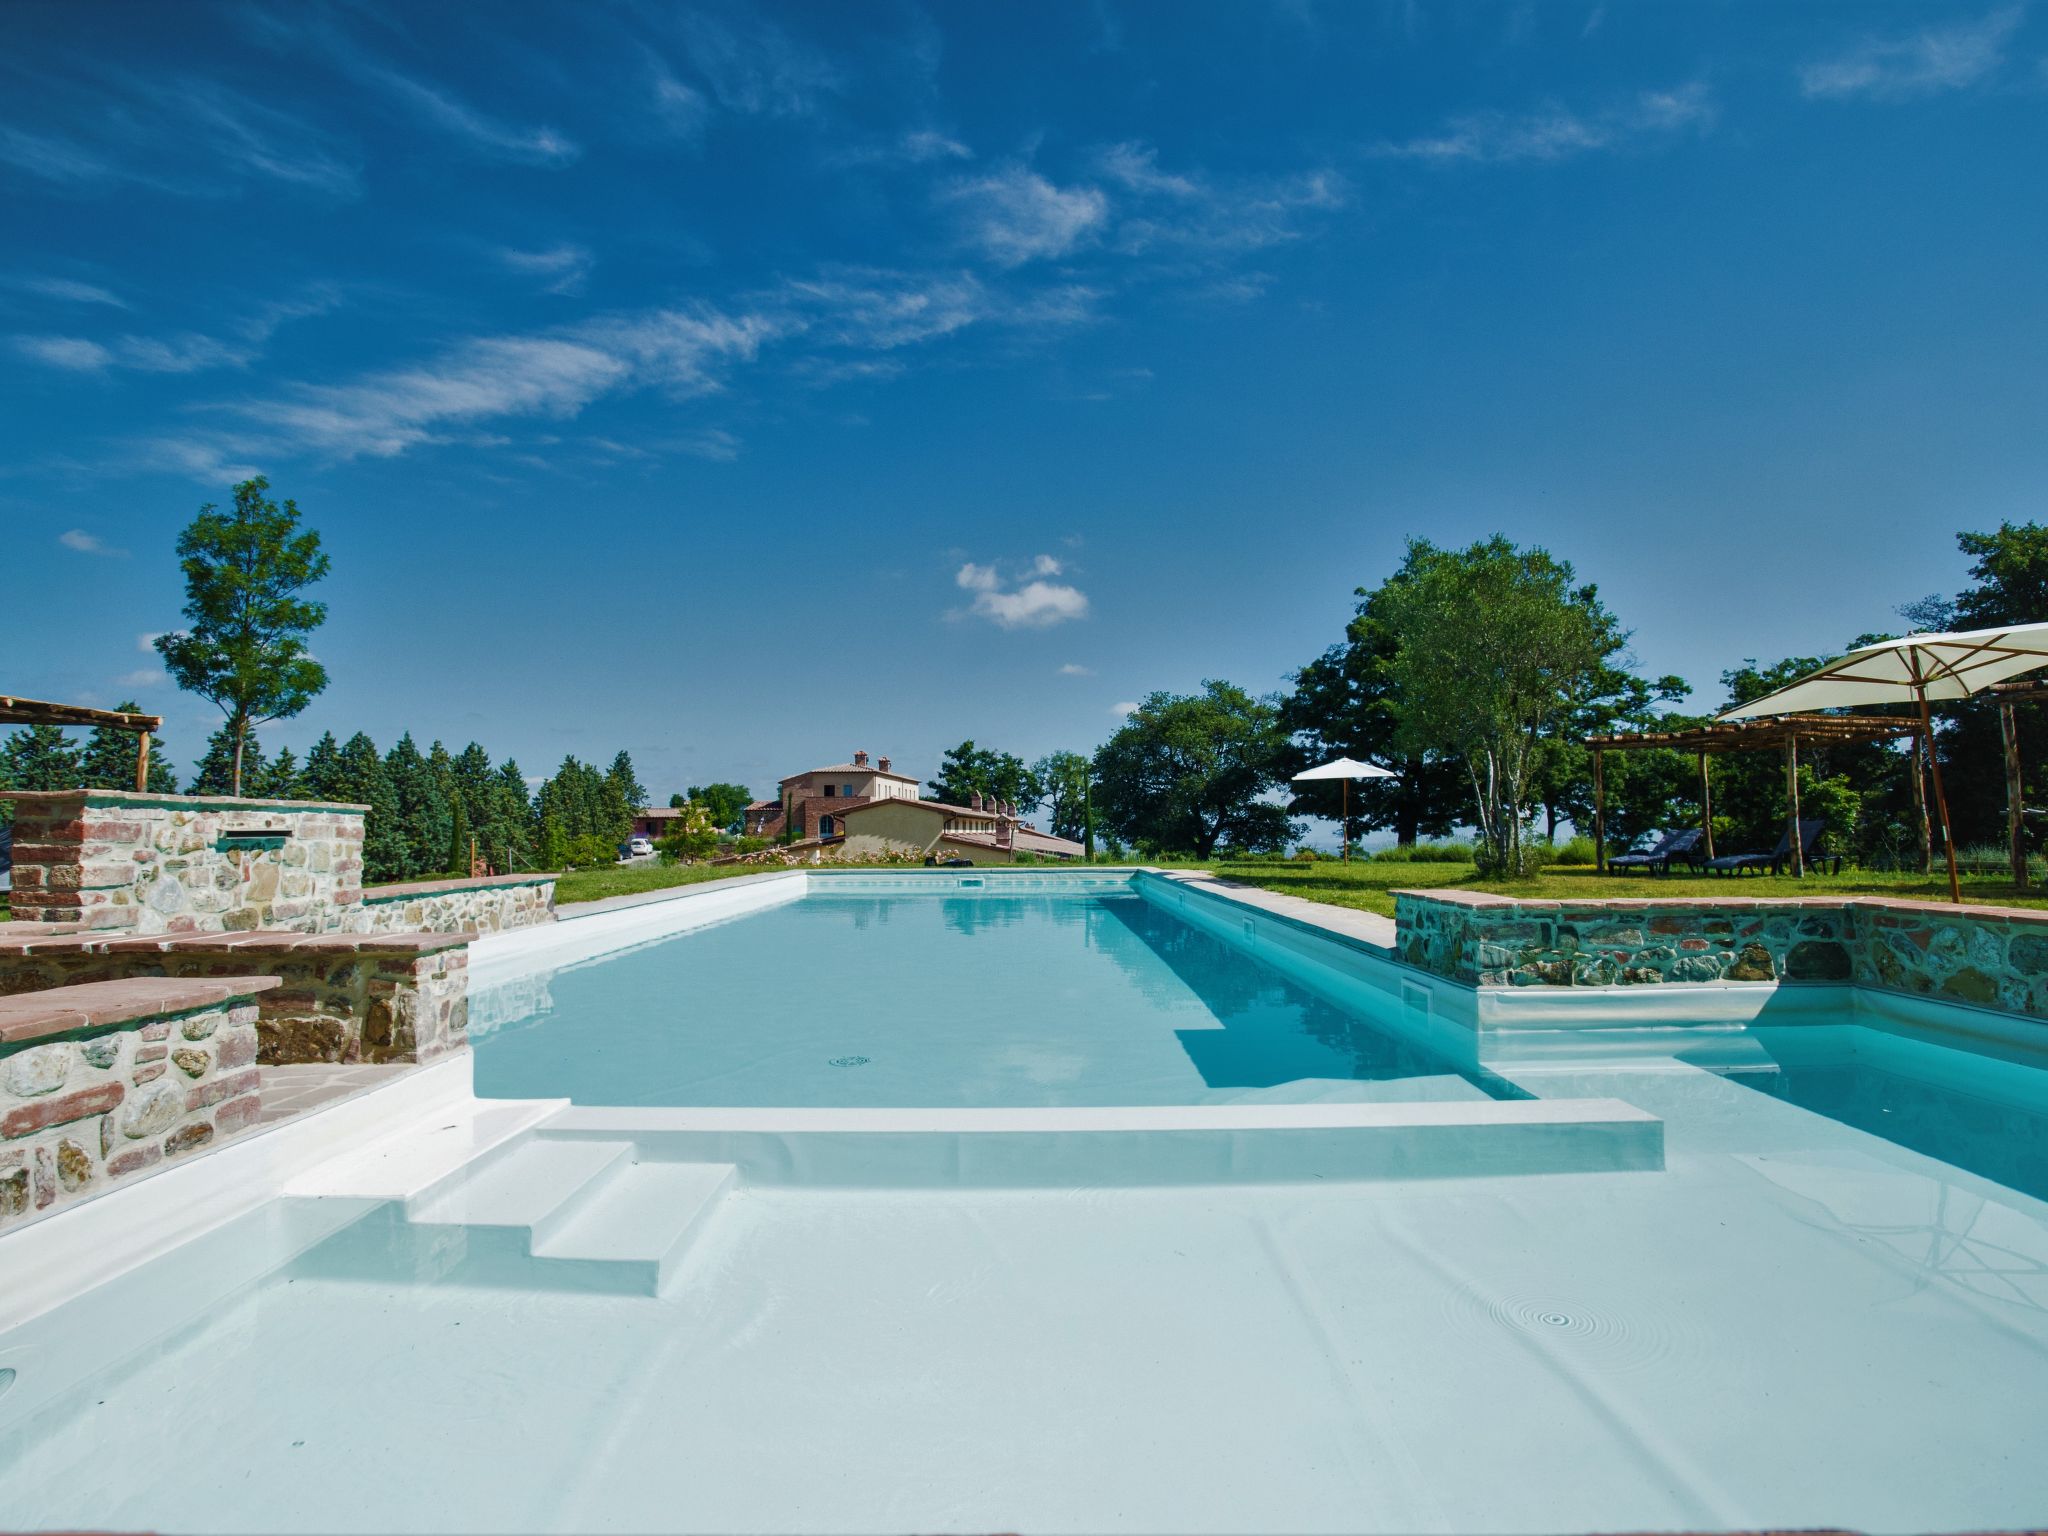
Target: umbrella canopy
x=1351, y=768
x=1933, y=667
x=1918, y=669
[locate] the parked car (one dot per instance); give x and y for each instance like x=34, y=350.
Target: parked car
x=639, y=848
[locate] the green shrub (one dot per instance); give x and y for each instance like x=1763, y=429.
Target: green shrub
x=1578, y=851
x=1443, y=853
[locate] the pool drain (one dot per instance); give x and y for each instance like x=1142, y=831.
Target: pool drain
x=847, y=1061
x=6, y=1377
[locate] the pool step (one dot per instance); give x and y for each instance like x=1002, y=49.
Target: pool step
x=583, y=1214
x=641, y=1219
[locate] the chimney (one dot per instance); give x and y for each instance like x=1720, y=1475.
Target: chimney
x=860, y=759
x=883, y=765
x=974, y=799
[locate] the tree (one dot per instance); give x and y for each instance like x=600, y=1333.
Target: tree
x=423, y=816
x=108, y=761
x=691, y=835
x=1187, y=772
x=1492, y=645
x=40, y=757
x=214, y=773
x=353, y=774
x=969, y=770
x=726, y=804
x=280, y=778
x=627, y=781
x=1062, y=780
x=1343, y=705
x=246, y=647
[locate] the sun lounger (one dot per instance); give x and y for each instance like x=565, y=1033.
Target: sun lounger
x=1660, y=850
x=1776, y=860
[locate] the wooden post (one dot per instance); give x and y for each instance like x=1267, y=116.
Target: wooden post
x=1706, y=805
x=1919, y=763
x=1599, y=813
x=1792, y=814
x=1347, y=822
x=1948, y=841
x=2015, y=817
x=142, y=762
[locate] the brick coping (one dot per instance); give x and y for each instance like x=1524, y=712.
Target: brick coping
x=145, y=800
x=117, y=941
x=373, y=894
x=97, y=1004
x=1492, y=901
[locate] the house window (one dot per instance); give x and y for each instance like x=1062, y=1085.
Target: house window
x=829, y=791
x=824, y=826
x=846, y=791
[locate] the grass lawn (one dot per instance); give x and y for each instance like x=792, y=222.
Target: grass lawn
x=1371, y=886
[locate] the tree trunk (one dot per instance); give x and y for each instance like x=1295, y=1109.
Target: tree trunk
x=241, y=736
x=1926, y=827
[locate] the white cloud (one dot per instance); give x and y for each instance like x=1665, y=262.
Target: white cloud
x=146, y=642
x=1075, y=669
x=564, y=266
x=1032, y=604
x=184, y=352
x=72, y=291
x=1556, y=133
x=683, y=109
x=1915, y=64
x=87, y=543
x=72, y=352
x=757, y=69
x=537, y=146
x=1125, y=710
x=922, y=146
x=1204, y=213
x=1015, y=215
x=142, y=677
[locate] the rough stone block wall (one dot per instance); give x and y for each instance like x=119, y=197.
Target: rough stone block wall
x=1987, y=957
x=106, y=1104
x=183, y=864
x=496, y=905
x=340, y=998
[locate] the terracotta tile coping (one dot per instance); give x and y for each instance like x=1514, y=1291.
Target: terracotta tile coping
x=95, y=1004
x=376, y=893
x=42, y=797
x=115, y=941
x=1917, y=909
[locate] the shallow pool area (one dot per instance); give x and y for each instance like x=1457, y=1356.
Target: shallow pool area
x=977, y=996
x=1166, y=1224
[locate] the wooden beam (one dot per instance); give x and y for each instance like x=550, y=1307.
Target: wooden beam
x=19, y=711
x=142, y=762
x=1706, y=805
x=2015, y=818
x=1599, y=813
x=1798, y=843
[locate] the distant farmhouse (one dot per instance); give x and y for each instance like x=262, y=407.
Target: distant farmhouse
x=869, y=810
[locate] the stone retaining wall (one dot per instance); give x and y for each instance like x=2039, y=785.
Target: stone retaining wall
x=183, y=863
x=1992, y=957
x=341, y=997
x=494, y=904
x=106, y=1082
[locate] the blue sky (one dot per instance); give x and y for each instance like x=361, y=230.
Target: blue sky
x=747, y=386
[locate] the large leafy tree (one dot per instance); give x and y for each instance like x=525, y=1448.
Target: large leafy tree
x=1492, y=644
x=968, y=770
x=725, y=804
x=1062, y=780
x=1343, y=705
x=245, y=644
x=1190, y=772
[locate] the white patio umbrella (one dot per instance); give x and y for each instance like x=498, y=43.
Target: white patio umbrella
x=1347, y=769
x=1919, y=669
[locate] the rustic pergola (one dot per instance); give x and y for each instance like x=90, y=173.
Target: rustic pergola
x=1782, y=733
x=2032, y=690
x=19, y=711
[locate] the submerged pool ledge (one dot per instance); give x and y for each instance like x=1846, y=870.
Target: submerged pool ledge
x=1149, y=1145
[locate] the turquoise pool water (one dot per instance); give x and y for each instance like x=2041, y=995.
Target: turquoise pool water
x=1970, y=1110
x=964, y=999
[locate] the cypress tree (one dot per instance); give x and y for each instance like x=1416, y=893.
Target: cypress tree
x=281, y=778
x=627, y=782
x=360, y=779
x=321, y=777
x=422, y=809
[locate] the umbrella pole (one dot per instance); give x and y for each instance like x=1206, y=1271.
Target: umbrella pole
x=1347, y=821
x=1599, y=814
x=1948, y=842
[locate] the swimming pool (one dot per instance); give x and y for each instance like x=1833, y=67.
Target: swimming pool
x=982, y=996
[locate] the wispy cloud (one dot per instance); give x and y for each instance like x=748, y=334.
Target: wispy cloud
x=923, y=146
x=181, y=352
x=1919, y=63
x=70, y=291
x=1557, y=133
x=1194, y=210
x=1015, y=215
x=142, y=677
x=176, y=135
x=756, y=68
x=1125, y=710
x=1034, y=603
x=565, y=267
x=87, y=543
x=441, y=107
x=1075, y=669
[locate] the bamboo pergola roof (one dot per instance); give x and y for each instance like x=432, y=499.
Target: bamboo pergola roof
x=20, y=711
x=1749, y=735
x=2032, y=690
